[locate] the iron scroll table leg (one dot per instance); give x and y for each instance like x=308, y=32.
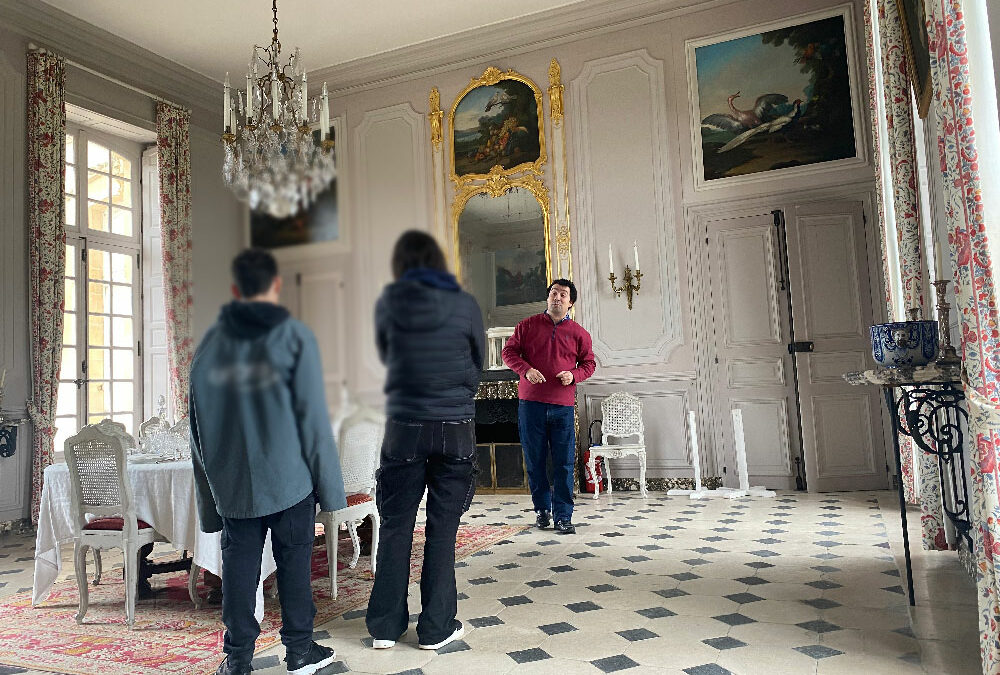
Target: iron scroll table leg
x=890, y=401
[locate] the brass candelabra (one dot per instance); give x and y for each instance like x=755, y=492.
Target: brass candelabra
x=627, y=286
x=946, y=352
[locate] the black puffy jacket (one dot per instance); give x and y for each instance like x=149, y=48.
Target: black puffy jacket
x=429, y=334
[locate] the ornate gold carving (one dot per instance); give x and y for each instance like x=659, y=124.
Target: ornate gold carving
x=497, y=389
x=563, y=241
x=497, y=183
x=491, y=76
x=436, y=117
x=556, y=90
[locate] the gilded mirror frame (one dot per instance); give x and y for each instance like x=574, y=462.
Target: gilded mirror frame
x=496, y=185
x=490, y=77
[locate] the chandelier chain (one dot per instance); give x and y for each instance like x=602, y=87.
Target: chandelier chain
x=274, y=8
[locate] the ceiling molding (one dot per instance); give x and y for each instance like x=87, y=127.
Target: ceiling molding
x=515, y=36
x=111, y=55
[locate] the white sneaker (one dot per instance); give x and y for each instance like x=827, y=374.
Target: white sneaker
x=459, y=632
x=386, y=644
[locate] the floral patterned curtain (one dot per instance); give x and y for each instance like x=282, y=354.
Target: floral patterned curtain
x=174, y=159
x=920, y=471
x=46, y=125
x=975, y=296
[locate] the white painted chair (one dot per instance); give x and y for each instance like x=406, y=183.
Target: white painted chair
x=359, y=444
x=621, y=414
x=96, y=458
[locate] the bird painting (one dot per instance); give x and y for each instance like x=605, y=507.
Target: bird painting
x=765, y=108
x=499, y=98
x=776, y=124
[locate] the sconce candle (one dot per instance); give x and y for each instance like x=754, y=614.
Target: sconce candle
x=226, y=112
x=611, y=262
x=635, y=250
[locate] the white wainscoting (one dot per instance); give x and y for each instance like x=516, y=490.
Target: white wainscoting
x=623, y=196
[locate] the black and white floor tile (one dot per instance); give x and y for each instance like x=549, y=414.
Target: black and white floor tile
x=801, y=584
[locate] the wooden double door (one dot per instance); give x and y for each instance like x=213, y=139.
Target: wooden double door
x=791, y=305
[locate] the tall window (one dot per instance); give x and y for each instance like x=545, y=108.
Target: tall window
x=101, y=362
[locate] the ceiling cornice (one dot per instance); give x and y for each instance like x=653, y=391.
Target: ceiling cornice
x=116, y=57
x=515, y=36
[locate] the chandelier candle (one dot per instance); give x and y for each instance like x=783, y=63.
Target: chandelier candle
x=271, y=160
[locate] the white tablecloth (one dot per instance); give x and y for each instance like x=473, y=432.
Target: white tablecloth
x=164, y=496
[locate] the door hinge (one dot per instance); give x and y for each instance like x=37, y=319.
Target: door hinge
x=139, y=348
x=83, y=367
x=83, y=254
x=138, y=262
x=706, y=240
x=298, y=278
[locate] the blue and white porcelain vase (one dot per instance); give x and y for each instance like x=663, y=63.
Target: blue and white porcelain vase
x=905, y=343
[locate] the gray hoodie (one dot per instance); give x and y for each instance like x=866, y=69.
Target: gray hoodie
x=260, y=431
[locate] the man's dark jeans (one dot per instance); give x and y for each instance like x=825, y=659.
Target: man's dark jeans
x=548, y=428
x=292, y=533
x=415, y=454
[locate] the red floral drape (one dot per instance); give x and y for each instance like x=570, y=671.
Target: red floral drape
x=46, y=129
x=976, y=297
x=174, y=157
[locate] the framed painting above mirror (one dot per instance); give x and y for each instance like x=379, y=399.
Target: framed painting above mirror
x=497, y=121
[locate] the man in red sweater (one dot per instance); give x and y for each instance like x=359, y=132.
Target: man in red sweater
x=551, y=353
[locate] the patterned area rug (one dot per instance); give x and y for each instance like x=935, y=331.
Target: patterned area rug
x=170, y=636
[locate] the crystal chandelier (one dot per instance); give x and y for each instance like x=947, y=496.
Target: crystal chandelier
x=273, y=162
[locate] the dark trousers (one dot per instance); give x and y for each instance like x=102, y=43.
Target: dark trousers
x=547, y=430
x=292, y=532
x=438, y=456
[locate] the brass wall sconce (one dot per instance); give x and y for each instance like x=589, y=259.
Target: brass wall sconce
x=627, y=286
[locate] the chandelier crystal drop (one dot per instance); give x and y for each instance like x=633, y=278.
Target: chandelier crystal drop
x=273, y=161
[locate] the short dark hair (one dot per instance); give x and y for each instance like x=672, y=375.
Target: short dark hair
x=568, y=284
x=254, y=271
x=414, y=249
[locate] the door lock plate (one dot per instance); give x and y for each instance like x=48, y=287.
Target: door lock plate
x=799, y=347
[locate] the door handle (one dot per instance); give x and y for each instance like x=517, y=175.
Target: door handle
x=80, y=382
x=800, y=347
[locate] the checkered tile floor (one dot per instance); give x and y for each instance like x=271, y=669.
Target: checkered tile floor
x=801, y=584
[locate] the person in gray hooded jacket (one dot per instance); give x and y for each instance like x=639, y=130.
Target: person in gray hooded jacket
x=263, y=454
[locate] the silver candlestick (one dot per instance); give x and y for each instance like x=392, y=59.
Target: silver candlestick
x=947, y=353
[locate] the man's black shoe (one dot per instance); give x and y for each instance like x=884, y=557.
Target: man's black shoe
x=227, y=668
x=565, y=527
x=309, y=662
x=543, y=519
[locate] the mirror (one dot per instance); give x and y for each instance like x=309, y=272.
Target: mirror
x=502, y=238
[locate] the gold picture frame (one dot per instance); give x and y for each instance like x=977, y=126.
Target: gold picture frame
x=496, y=185
x=484, y=142
x=918, y=56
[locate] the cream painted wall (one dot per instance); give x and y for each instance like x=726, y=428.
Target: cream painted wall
x=216, y=226
x=631, y=177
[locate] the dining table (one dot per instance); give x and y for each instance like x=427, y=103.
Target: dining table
x=163, y=492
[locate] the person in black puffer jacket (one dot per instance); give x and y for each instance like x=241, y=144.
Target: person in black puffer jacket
x=429, y=334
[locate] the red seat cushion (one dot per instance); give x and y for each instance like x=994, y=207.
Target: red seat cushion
x=361, y=498
x=112, y=523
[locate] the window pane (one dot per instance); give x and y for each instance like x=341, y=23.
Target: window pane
x=120, y=166
x=70, y=260
x=99, y=265
x=98, y=398
x=121, y=335
x=66, y=427
x=71, y=210
x=70, y=180
x=69, y=329
x=97, y=156
x=99, y=331
x=127, y=420
x=67, y=371
x=122, y=396
x=98, y=364
x=98, y=186
x=95, y=419
x=121, y=192
x=99, y=298
x=123, y=366
x=121, y=222
x=69, y=303
x=97, y=216
x=121, y=300
x=121, y=268
x=66, y=399
x=70, y=148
